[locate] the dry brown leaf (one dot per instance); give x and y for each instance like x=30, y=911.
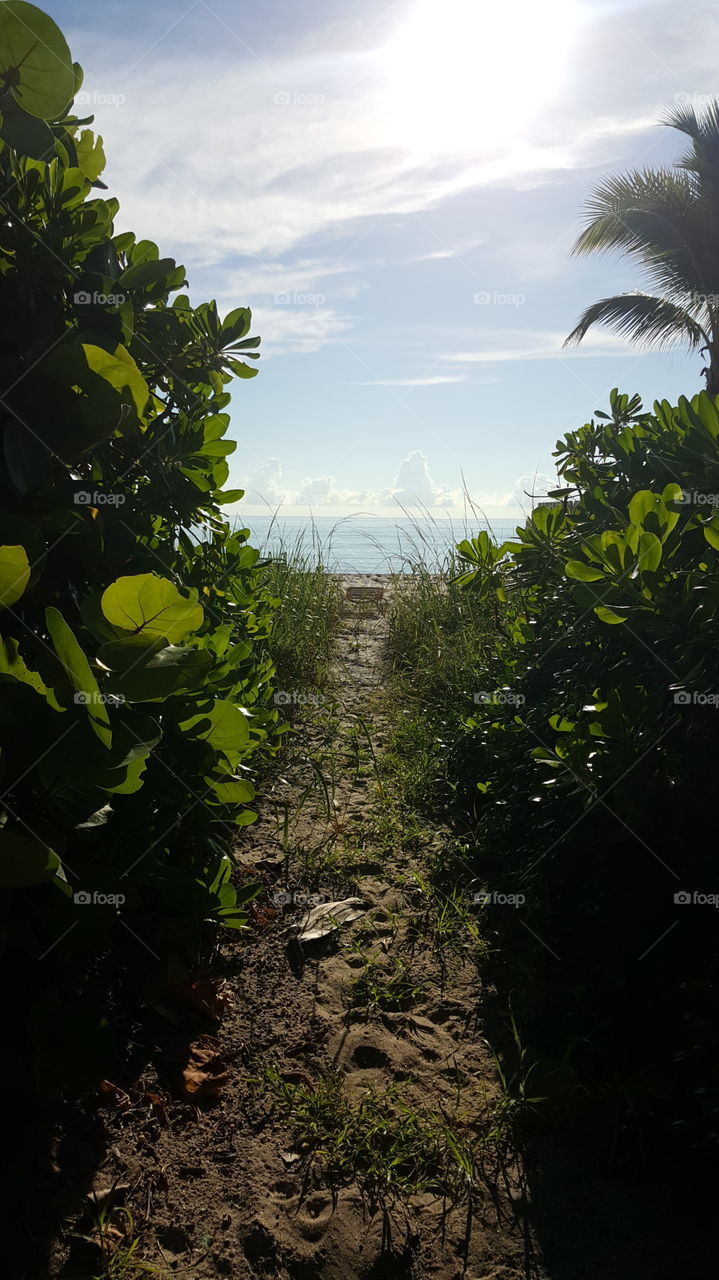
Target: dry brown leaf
x=158, y=1105
x=115, y=1094
x=205, y=1072
x=208, y=997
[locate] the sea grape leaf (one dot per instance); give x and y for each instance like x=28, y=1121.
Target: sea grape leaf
x=145, y=603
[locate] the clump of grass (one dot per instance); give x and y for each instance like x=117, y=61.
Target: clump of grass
x=443, y=644
x=388, y=986
x=118, y=1247
x=309, y=607
x=446, y=915
x=515, y=1103
x=438, y=634
x=392, y=1149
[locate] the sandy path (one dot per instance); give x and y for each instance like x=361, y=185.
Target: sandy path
x=225, y=1189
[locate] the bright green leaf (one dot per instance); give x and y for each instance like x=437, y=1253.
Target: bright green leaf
x=14, y=574
x=153, y=606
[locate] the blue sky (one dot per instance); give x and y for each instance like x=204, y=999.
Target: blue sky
x=394, y=188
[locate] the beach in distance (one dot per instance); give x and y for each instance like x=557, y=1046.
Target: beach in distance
x=370, y=544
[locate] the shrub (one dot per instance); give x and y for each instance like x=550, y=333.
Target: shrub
x=135, y=683
x=593, y=765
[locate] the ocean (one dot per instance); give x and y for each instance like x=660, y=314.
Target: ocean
x=369, y=544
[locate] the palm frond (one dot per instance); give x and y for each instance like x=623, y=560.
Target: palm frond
x=657, y=216
x=652, y=322
x=703, y=129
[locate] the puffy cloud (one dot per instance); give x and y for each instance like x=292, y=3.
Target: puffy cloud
x=414, y=488
x=265, y=485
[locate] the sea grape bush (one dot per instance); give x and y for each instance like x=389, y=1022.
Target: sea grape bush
x=135, y=682
x=592, y=785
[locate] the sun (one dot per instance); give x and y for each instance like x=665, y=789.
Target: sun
x=466, y=74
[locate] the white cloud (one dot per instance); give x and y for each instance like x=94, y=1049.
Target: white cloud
x=413, y=486
x=520, y=344
x=412, y=382
x=274, y=155
x=300, y=328
x=306, y=275
x=446, y=252
x=414, y=489
x=265, y=487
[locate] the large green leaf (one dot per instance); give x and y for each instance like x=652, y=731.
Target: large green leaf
x=14, y=574
x=11, y=664
x=235, y=325
x=78, y=672
x=35, y=61
x=151, y=272
x=145, y=603
x=99, y=393
x=608, y=615
x=120, y=370
x=582, y=572
x=649, y=552
x=90, y=154
x=711, y=532
x=234, y=791
x=143, y=673
x=223, y=726
x=26, y=134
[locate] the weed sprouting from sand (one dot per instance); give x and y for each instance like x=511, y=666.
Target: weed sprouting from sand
x=391, y=1148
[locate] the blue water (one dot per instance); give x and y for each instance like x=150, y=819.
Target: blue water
x=369, y=544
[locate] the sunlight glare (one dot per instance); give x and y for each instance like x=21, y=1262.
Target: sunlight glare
x=463, y=74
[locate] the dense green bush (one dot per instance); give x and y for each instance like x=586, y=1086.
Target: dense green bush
x=135, y=683
x=592, y=759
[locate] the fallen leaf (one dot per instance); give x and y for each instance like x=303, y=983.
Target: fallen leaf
x=205, y=1072
x=329, y=916
x=104, y=1196
x=158, y=1104
x=208, y=997
x=116, y=1094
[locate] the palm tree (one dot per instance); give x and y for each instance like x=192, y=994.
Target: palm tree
x=668, y=220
